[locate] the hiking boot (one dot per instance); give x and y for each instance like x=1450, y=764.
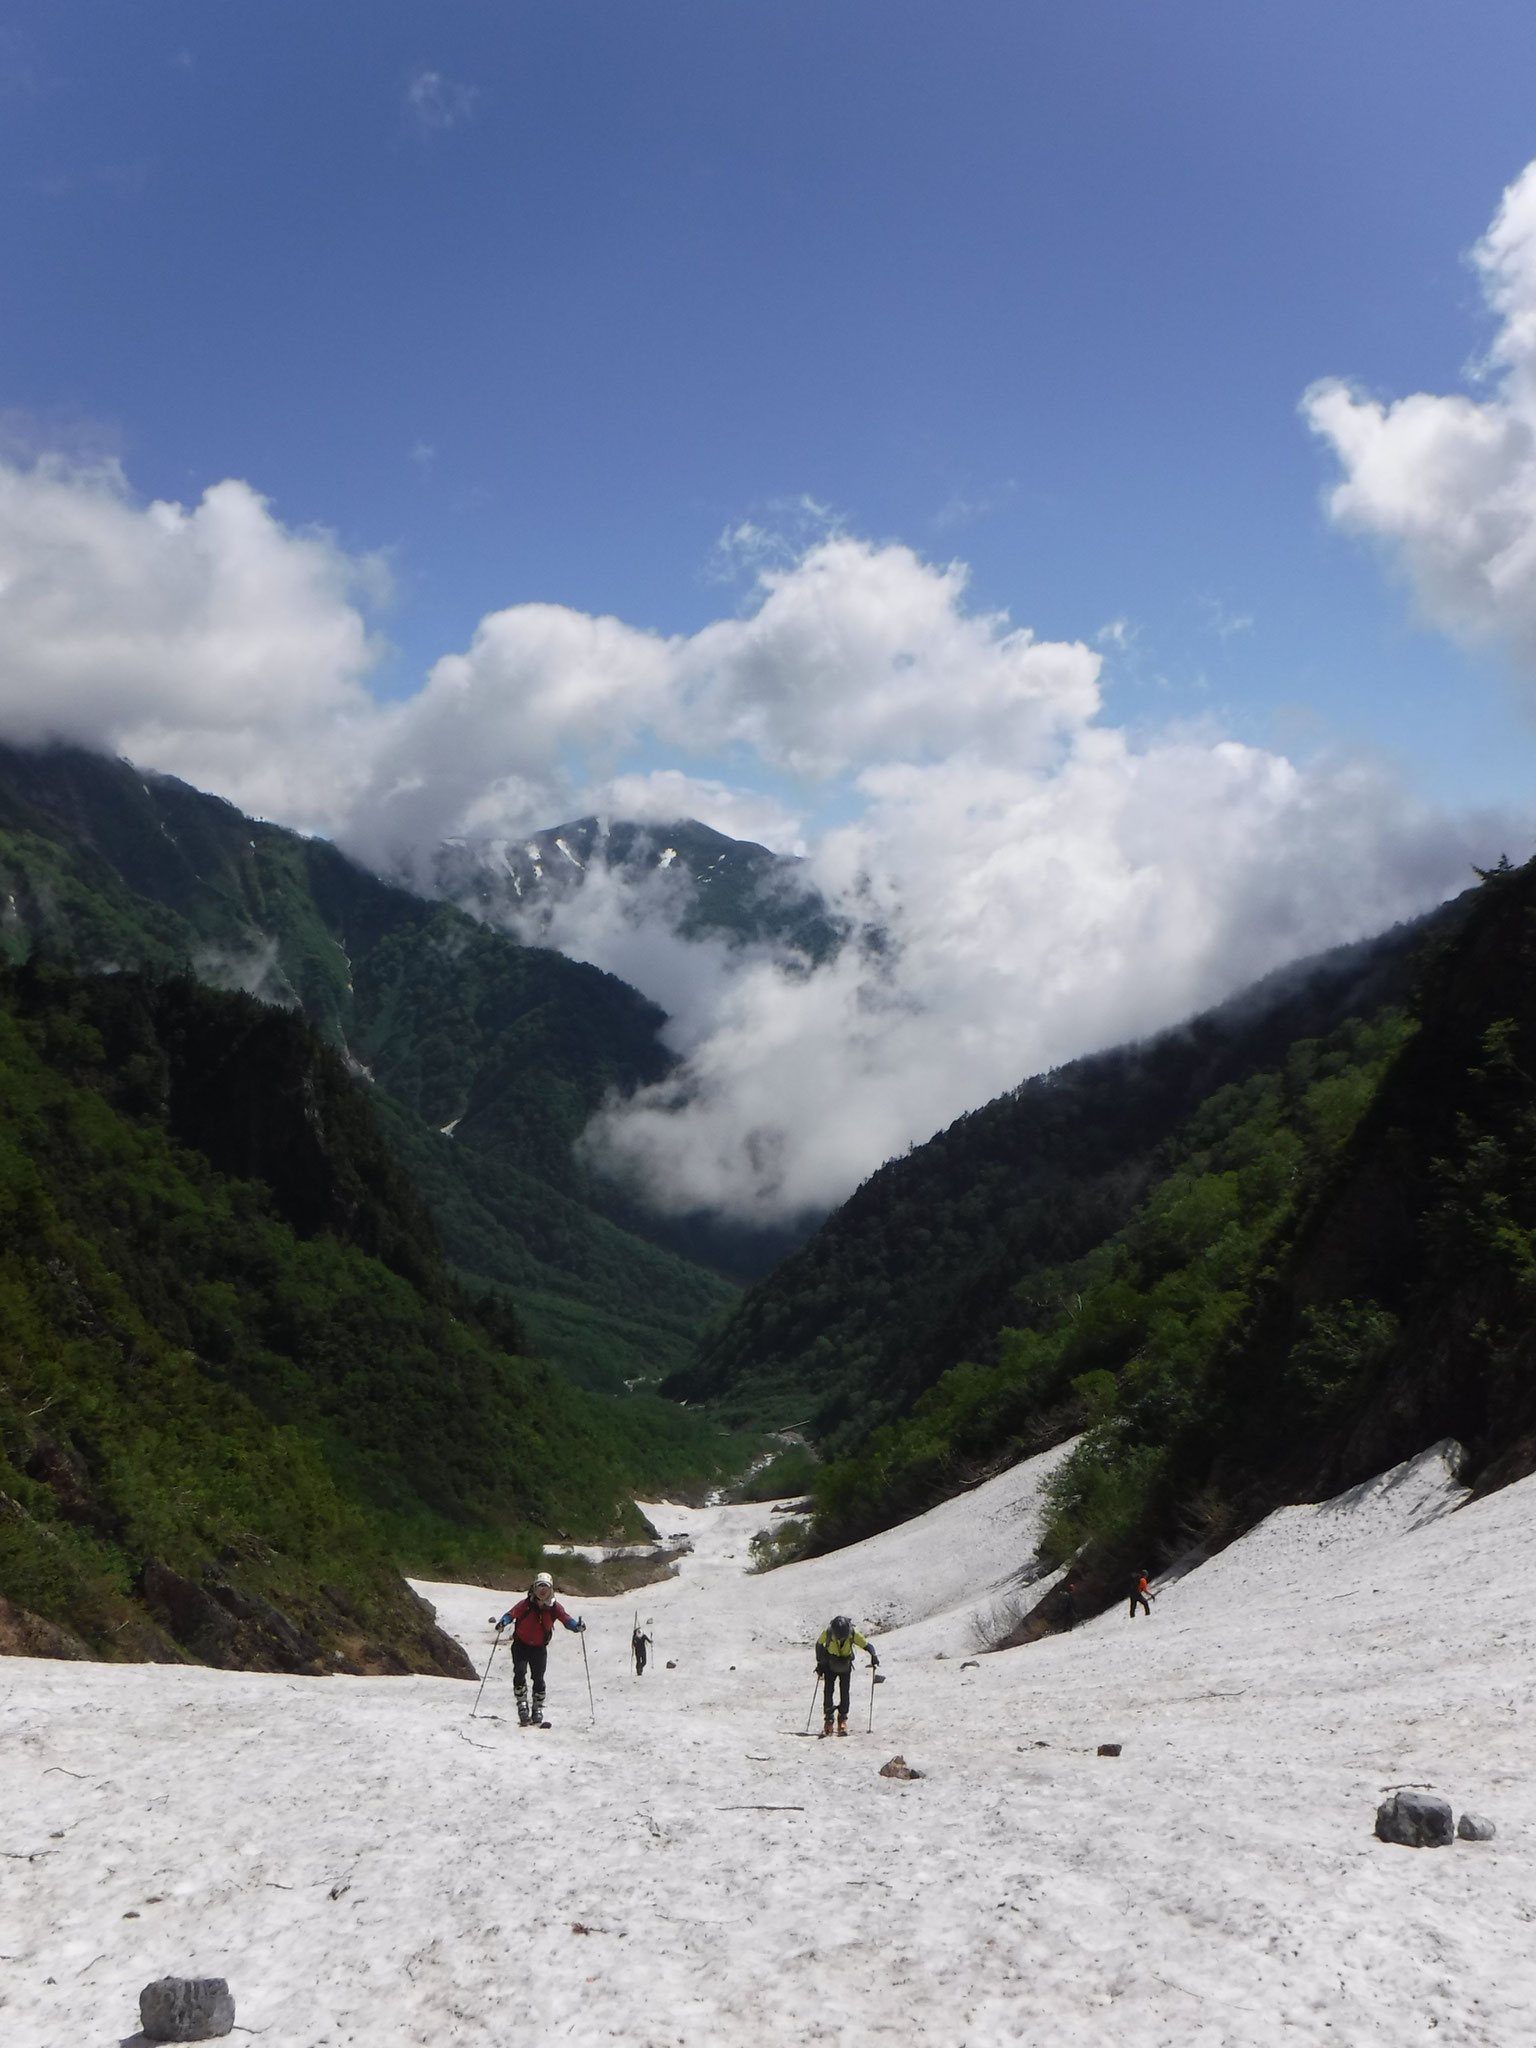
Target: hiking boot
x=537, y=1717
x=826, y=1730
x=842, y=1727
x=522, y=1708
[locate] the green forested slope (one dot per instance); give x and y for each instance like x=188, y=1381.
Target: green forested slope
x=1130, y=1329
x=236, y=1379
x=916, y=1272
x=1338, y=1270
x=513, y=1047
x=1405, y=1307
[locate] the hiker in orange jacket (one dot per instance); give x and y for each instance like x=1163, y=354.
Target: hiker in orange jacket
x=1139, y=1592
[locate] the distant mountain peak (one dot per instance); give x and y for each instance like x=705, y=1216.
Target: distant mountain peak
x=702, y=881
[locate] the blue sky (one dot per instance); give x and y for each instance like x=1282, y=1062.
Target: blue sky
x=540, y=298
x=454, y=340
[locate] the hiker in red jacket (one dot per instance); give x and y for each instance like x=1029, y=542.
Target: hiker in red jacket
x=532, y=1622
x=1139, y=1592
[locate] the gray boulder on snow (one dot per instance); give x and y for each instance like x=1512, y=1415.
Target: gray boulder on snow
x=1473, y=1827
x=1419, y=1820
x=186, y=2009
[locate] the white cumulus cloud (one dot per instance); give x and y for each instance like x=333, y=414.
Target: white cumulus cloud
x=1448, y=483
x=1024, y=882
x=855, y=655
x=1033, y=913
x=212, y=643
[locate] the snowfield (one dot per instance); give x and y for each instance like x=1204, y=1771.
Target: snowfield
x=367, y=1865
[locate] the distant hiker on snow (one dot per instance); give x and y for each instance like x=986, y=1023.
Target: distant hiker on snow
x=639, y=1645
x=834, y=1660
x=1139, y=1592
x=532, y=1622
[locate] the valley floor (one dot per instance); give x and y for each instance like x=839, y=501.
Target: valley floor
x=368, y=1865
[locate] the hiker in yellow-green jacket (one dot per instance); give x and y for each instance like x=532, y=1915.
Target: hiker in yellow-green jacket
x=834, y=1660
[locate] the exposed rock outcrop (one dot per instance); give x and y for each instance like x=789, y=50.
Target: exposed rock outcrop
x=23, y=1634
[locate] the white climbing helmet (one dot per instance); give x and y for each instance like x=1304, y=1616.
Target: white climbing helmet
x=543, y=1579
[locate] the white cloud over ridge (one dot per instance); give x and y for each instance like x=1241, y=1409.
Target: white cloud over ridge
x=1033, y=917
x=1044, y=885
x=1448, y=483
x=214, y=644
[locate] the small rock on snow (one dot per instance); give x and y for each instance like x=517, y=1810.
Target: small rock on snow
x=1473, y=1827
x=898, y=1767
x=1109, y=1749
x=186, y=2009
x=1419, y=1820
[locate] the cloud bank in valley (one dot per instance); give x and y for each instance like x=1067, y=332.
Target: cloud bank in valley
x=1040, y=883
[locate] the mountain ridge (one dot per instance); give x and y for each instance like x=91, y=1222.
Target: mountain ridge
x=707, y=883
x=487, y=1056
x=917, y=1270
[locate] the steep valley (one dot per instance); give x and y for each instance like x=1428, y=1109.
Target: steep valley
x=486, y=1057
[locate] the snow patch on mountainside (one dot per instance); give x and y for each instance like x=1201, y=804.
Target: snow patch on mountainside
x=368, y=1865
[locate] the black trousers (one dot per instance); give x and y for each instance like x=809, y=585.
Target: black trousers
x=1144, y=1607
x=829, y=1681
x=528, y=1657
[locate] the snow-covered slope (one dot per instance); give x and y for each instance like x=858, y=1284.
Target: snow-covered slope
x=369, y=1866
x=964, y=1572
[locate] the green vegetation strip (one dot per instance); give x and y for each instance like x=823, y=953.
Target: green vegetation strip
x=196, y=1366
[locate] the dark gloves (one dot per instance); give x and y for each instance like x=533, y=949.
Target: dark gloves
x=874, y=1661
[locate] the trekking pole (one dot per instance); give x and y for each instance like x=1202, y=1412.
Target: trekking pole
x=588, y=1669
x=494, y=1648
x=871, y=1728
x=815, y=1688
